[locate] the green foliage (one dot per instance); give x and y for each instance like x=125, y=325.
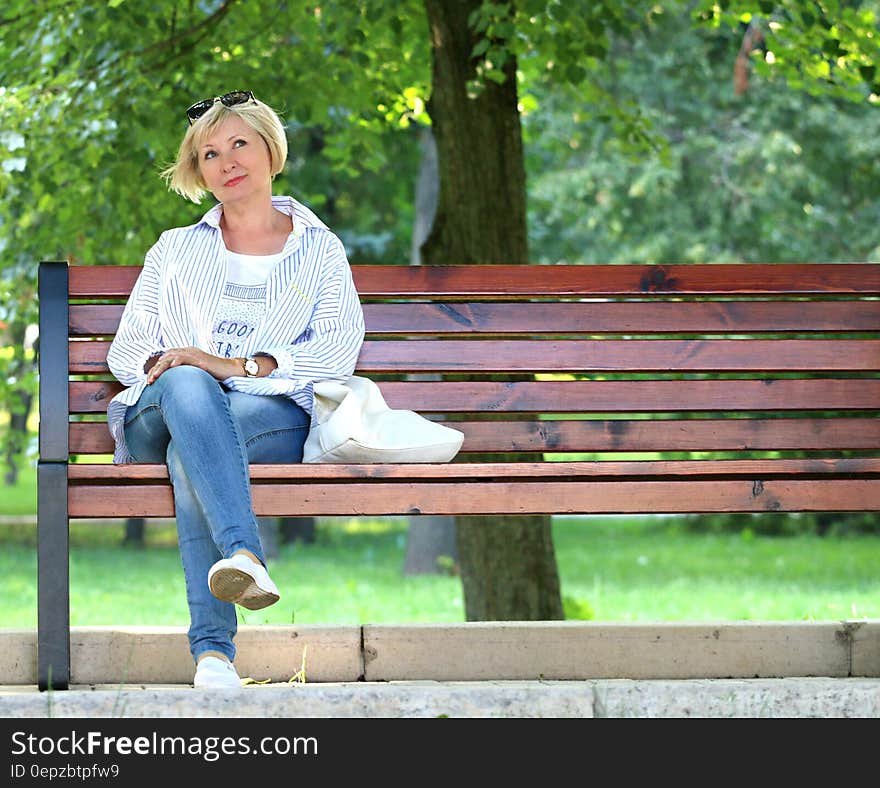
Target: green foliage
x=95, y=95
x=836, y=524
x=559, y=44
x=566, y=37
x=822, y=47
x=766, y=176
x=447, y=565
x=92, y=99
x=577, y=609
x=20, y=498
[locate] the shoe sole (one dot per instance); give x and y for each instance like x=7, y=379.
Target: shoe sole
x=209, y=685
x=233, y=585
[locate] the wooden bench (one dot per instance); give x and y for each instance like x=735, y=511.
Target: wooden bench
x=590, y=389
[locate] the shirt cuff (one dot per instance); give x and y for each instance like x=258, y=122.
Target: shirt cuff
x=142, y=362
x=283, y=358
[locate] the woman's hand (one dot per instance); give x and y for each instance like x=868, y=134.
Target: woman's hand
x=217, y=367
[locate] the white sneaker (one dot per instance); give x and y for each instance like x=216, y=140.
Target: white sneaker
x=239, y=579
x=216, y=673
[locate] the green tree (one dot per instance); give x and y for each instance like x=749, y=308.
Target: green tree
x=757, y=175
x=91, y=106
x=821, y=47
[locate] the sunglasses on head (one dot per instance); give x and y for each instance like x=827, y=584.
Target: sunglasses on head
x=232, y=99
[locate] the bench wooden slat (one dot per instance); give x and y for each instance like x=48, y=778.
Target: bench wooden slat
x=618, y=435
x=88, y=320
x=653, y=355
x=79, y=473
x=504, y=497
x=650, y=355
x=587, y=396
x=506, y=281
x=615, y=435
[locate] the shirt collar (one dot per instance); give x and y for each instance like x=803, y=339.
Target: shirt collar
x=285, y=204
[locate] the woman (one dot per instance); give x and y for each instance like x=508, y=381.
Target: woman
x=230, y=322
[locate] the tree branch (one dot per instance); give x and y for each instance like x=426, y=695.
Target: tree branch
x=169, y=43
x=166, y=44
x=204, y=28
x=36, y=12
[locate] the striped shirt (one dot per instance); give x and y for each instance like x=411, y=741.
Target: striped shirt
x=313, y=325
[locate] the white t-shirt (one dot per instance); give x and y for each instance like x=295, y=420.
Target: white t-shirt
x=243, y=303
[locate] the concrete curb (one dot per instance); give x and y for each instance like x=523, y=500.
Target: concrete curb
x=781, y=698
x=475, y=651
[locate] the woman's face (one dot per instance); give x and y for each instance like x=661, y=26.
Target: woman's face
x=234, y=161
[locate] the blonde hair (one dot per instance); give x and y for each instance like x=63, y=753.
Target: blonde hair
x=184, y=176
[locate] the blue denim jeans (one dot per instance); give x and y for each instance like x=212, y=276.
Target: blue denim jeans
x=206, y=435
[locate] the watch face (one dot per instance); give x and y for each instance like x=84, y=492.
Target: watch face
x=251, y=367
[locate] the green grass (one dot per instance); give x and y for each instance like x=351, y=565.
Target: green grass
x=654, y=570
x=20, y=498
x=620, y=569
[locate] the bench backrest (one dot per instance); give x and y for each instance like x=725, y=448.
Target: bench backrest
x=578, y=362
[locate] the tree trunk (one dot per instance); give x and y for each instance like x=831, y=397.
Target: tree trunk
x=297, y=529
x=134, y=532
x=430, y=539
x=481, y=214
x=19, y=402
x=522, y=586
x=508, y=564
x=16, y=440
x=268, y=530
x=427, y=192
x=430, y=545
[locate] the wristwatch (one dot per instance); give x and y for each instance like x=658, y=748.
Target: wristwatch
x=251, y=367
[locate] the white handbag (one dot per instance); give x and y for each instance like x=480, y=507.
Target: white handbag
x=351, y=423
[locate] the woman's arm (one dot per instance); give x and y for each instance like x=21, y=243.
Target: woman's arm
x=219, y=367
x=139, y=336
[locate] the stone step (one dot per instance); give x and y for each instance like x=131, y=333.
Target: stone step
x=615, y=698
x=474, y=651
